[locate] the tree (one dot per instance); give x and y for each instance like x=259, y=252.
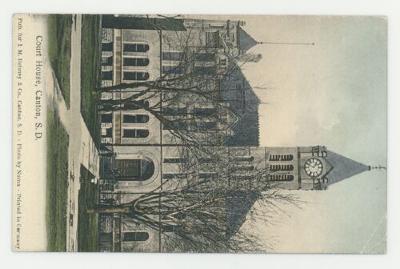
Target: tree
x=198, y=212
x=204, y=213
x=195, y=79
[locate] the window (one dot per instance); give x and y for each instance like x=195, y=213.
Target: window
x=106, y=118
x=172, y=56
x=135, y=133
x=204, y=112
x=281, y=167
x=277, y=157
x=243, y=168
x=140, y=118
x=135, y=236
x=242, y=177
x=134, y=169
x=206, y=160
x=172, y=70
x=175, y=160
x=208, y=125
x=204, y=57
x=173, y=111
x=135, y=61
x=207, y=175
x=136, y=47
x=174, y=175
x=205, y=70
x=280, y=177
x=108, y=75
x=175, y=125
x=212, y=39
x=134, y=105
x=170, y=228
x=107, y=46
x=244, y=158
x=136, y=76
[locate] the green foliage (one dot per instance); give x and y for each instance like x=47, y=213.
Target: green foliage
x=90, y=71
x=59, y=50
x=57, y=183
x=87, y=223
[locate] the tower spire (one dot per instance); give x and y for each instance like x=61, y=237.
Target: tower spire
x=343, y=167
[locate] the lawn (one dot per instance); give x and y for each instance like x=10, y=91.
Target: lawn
x=57, y=183
x=87, y=223
x=90, y=72
x=59, y=50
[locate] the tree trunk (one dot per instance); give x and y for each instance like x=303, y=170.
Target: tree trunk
x=108, y=209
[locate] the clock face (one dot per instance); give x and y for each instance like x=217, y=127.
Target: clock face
x=313, y=167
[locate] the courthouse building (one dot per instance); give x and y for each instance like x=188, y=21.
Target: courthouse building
x=141, y=152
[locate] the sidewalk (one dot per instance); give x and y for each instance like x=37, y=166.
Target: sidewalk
x=82, y=149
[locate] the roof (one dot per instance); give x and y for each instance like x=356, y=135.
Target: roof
x=245, y=40
x=237, y=206
x=342, y=167
x=237, y=91
x=142, y=23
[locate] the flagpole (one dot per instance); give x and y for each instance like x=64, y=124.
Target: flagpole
x=286, y=43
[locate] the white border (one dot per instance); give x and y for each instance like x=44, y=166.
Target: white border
x=302, y=7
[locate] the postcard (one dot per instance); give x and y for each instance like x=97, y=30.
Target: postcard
x=199, y=133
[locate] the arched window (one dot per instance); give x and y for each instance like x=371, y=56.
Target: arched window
x=136, y=47
x=106, y=118
x=107, y=75
x=136, y=76
x=286, y=157
x=139, y=118
x=175, y=160
x=244, y=158
x=243, y=168
x=135, y=236
x=280, y=177
x=135, y=61
x=281, y=167
x=135, y=133
x=107, y=46
x=134, y=169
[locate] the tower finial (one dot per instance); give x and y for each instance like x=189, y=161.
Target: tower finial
x=377, y=167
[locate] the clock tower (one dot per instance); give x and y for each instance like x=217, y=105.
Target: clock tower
x=295, y=168
x=309, y=168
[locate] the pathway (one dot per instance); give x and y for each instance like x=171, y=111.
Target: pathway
x=82, y=149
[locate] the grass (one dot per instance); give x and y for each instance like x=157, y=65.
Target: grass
x=90, y=72
x=59, y=50
x=57, y=183
x=87, y=223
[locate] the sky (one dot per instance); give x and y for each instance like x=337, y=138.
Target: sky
x=333, y=94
